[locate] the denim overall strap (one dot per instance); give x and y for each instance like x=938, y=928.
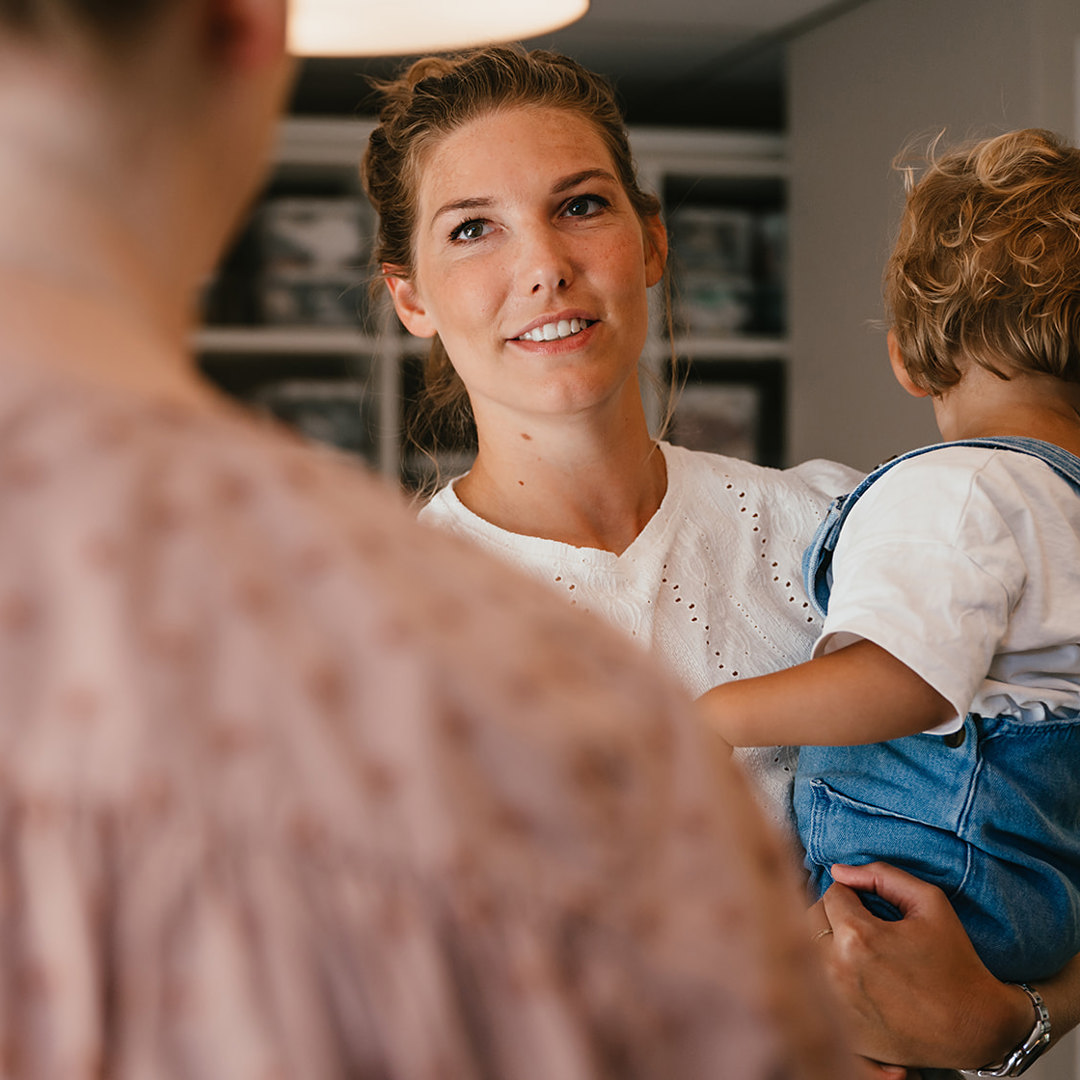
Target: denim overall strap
x=817, y=559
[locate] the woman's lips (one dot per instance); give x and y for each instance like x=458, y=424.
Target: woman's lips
x=555, y=329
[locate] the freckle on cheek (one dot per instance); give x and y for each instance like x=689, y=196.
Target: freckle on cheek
x=527, y=438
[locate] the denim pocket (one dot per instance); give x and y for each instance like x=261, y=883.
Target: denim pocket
x=841, y=829
x=994, y=822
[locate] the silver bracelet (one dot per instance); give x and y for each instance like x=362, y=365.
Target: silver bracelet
x=1024, y=1056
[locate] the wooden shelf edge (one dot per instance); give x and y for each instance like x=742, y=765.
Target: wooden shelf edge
x=262, y=340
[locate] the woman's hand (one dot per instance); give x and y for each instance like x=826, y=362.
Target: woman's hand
x=914, y=991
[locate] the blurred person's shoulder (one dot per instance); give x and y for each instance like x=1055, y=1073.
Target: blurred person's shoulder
x=330, y=749
x=221, y=598
x=195, y=541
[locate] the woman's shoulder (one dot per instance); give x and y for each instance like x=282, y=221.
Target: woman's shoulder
x=445, y=512
x=441, y=508
x=818, y=480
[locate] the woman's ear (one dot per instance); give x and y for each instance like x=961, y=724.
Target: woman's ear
x=408, y=303
x=656, y=249
x=899, y=368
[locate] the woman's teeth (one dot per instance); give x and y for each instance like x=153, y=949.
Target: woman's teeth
x=552, y=331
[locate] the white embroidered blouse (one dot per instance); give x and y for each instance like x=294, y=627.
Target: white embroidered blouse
x=713, y=583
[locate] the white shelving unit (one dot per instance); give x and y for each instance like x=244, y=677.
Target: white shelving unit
x=321, y=155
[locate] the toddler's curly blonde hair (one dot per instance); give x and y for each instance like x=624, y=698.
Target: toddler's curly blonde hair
x=986, y=266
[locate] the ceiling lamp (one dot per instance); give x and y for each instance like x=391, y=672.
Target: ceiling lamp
x=409, y=27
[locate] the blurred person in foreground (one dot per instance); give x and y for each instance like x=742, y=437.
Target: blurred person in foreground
x=288, y=786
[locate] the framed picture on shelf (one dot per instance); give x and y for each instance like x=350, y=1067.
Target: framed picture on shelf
x=732, y=407
x=339, y=412
x=313, y=260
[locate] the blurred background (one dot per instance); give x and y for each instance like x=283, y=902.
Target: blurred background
x=767, y=126
x=710, y=63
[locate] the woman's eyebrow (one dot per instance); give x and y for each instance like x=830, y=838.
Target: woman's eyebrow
x=572, y=181
x=483, y=202
x=457, y=205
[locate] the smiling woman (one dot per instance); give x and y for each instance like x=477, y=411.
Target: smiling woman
x=514, y=233
x=527, y=110
x=530, y=263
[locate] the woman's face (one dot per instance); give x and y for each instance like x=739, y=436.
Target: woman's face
x=531, y=264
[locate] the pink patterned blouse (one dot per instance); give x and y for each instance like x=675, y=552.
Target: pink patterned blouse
x=291, y=787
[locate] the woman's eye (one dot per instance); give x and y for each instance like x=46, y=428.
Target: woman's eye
x=584, y=205
x=469, y=230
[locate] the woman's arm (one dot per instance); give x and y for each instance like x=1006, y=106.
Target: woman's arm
x=914, y=991
x=858, y=694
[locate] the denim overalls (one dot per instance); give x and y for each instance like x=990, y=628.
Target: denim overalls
x=991, y=813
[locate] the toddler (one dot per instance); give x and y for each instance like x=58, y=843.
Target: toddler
x=940, y=713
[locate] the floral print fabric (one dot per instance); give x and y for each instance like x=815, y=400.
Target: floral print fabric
x=291, y=787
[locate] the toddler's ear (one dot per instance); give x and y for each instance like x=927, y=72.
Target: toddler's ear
x=246, y=32
x=896, y=359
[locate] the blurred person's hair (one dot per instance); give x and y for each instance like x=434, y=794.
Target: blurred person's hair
x=112, y=21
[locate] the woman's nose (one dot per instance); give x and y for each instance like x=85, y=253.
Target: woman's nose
x=546, y=265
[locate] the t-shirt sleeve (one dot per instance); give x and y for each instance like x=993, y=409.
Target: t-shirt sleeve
x=927, y=567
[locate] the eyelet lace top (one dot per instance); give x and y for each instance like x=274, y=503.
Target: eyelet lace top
x=713, y=583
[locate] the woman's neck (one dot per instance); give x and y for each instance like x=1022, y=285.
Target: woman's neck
x=590, y=481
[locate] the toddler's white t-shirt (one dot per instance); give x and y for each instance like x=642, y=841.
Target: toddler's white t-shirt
x=964, y=563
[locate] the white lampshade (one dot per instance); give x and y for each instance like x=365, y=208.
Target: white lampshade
x=407, y=27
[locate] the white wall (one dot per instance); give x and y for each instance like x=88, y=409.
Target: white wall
x=1063, y=1062
x=860, y=88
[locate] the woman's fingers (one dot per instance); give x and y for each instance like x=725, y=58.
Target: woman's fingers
x=903, y=890
x=817, y=922
x=912, y=991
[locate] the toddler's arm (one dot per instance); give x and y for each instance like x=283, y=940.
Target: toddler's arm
x=858, y=694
